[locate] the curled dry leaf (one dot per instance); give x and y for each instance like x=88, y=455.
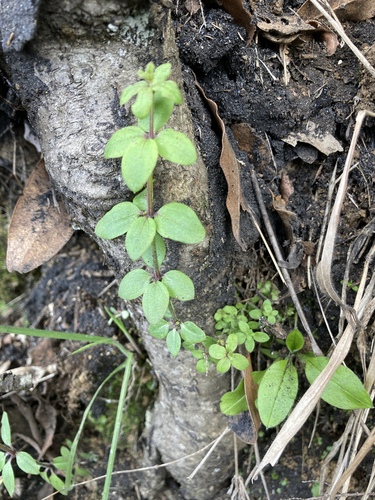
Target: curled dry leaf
x=38, y=229
x=282, y=29
x=286, y=186
x=322, y=141
x=230, y=167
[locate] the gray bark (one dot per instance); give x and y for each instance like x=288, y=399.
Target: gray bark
x=69, y=77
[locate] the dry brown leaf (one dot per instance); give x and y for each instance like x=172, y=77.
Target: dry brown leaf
x=229, y=165
x=250, y=142
x=351, y=10
x=192, y=6
x=38, y=229
x=241, y=16
x=312, y=134
x=251, y=393
x=282, y=29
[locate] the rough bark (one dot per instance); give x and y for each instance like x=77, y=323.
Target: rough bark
x=69, y=78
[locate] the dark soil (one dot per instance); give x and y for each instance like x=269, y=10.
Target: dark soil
x=246, y=82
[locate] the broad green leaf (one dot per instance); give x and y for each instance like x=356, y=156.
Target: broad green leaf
x=8, y=478
x=56, y=482
x=134, y=284
x=231, y=342
x=6, y=435
x=179, y=222
x=243, y=326
x=155, y=302
x=131, y=91
x=190, y=332
x=142, y=106
x=234, y=402
x=163, y=109
x=120, y=141
x=140, y=200
x=223, y=365
x=277, y=392
x=2, y=460
x=27, y=463
x=161, y=251
x=202, y=366
x=344, y=390
x=250, y=344
x=179, y=285
x=139, y=162
x=258, y=375
x=140, y=236
x=175, y=147
x=239, y=361
x=260, y=337
x=255, y=314
x=217, y=351
x=117, y=221
x=160, y=330
x=170, y=90
x=162, y=73
x=65, y=452
x=173, y=342
x=294, y=341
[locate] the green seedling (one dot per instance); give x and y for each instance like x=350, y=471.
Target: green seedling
x=145, y=226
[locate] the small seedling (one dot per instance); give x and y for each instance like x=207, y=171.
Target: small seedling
x=147, y=227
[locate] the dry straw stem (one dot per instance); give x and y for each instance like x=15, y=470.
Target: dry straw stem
x=335, y=23
x=363, y=308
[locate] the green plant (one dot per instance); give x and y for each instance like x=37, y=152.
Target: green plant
x=145, y=226
x=7, y=453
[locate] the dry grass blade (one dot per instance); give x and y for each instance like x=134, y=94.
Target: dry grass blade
x=335, y=23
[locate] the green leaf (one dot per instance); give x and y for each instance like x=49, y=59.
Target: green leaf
x=139, y=162
x=140, y=200
x=294, y=341
x=260, y=337
x=238, y=361
x=57, y=483
x=267, y=307
x=175, y=147
x=163, y=109
x=173, y=342
x=179, y=285
x=169, y=90
x=255, y=314
x=142, y=106
x=277, y=392
x=179, y=222
x=250, y=344
x=223, y=365
x=120, y=141
x=344, y=390
x=231, y=342
x=217, y=351
x=149, y=72
x=160, y=330
x=162, y=73
x=61, y=463
x=155, y=302
x=6, y=435
x=161, y=251
x=8, y=478
x=140, y=236
x=131, y=91
x=134, y=284
x=117, y=221
x=27, y=463
x=234, y=402
x=2, y=460
x=190, y=332
x=202, y=366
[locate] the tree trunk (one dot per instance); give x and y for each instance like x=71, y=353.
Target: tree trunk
x=69, y=77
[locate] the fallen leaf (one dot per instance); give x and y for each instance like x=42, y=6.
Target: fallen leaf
x=241, y=16
x=229, y=165
x=250, y=142
x=282, y=29
x=251, y=393
x=286, y=186
x=350, y=10
x=38, y=229
x=322, y=141
x=192, y=6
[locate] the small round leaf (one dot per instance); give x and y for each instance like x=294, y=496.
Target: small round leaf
x=120, y=141
x=190, y=332
x=134, y=284
x=139, y=162
x=294, y=341
x=160, y=330
x=155, y=302
x=117, y=221
x=175, y=147
x=27, y=463
x=179, y=222
x=173, y=342
x=179, y=285
x=140, y=236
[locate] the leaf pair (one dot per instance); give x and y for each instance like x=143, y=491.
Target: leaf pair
x=175, y=221
x=187, y=331
x=156, y=294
